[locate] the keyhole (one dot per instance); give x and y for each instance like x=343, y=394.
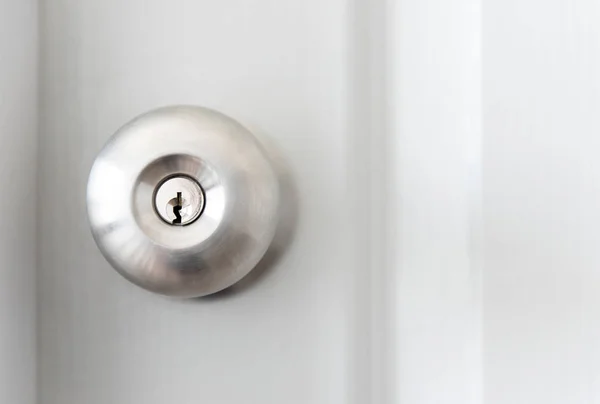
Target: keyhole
x=177, y=210
x=179, y=201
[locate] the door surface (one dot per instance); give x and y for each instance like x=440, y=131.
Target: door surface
x=442, y=182
x=278, y=68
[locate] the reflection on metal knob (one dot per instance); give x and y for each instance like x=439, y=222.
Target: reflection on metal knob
x=183, y=201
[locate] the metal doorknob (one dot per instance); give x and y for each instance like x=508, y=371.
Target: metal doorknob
x=183, y=201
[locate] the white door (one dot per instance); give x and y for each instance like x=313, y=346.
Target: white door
x=447, y=179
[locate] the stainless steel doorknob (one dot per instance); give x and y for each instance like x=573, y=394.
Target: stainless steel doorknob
x=183, y=201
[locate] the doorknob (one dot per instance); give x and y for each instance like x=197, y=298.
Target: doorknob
x=183, y=201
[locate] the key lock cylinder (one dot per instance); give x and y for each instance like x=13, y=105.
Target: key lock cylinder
x=183, y=201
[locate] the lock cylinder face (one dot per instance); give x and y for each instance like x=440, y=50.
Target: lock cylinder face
x=183, y=201
x=179, y=200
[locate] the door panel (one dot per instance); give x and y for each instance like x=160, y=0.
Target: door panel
x=277, y=67
x=18, y=149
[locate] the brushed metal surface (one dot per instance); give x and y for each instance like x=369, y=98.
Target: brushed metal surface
x=240, y=201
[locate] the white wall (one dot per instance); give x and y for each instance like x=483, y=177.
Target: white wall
x=541, y=185
x=496, y=132
x=18, y=166
x=435, y=243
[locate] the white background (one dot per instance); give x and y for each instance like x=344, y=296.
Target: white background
x=445, y=157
